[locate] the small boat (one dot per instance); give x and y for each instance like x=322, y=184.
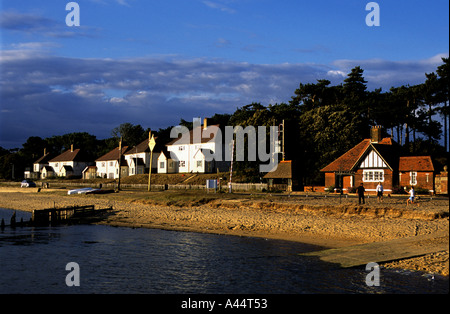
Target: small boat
x=80, y=191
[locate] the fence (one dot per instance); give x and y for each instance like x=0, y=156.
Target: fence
x=161, y=187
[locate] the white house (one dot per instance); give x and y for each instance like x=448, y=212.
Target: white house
x=108, y=164
x=192, y=152
x=38, y=165
x=165, y=163
x=138, y=158
x=71, y=162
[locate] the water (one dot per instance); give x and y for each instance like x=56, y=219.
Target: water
x=124, y=260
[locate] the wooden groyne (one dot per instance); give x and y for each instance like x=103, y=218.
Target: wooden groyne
x=56, y=216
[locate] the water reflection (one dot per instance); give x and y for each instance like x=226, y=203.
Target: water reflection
x=123, y=260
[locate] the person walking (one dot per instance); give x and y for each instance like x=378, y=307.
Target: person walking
x=412, y=197
x=361, y=191
x=380, y=192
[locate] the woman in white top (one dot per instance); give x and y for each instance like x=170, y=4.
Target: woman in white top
x=380, y=192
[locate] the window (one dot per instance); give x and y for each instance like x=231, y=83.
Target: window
x=373, y=175
x=181, y=148
x=199, y=163
x=413, y=178
x=103, y=164
x=161, y=165
x=181, y=163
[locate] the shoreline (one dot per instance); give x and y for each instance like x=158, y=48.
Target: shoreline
x=320, y=222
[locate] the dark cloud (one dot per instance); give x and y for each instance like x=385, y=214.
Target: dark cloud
x=44, y=95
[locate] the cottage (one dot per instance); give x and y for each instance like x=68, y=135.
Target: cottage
x=138, y=158
x=377, y=160
x=70, y=163
x=47, y=172
x=193, y=152
x=417, y=171
x=90, y=172
x=282, y=177
x=165, y=163
x=38, y=165
x=108, y=164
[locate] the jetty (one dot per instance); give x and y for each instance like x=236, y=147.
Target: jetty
x=64, y=215
x=385, y=251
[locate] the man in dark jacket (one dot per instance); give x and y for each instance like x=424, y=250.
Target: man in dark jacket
x=361, y=191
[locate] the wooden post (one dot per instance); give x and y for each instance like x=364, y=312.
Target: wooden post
x=120, y=162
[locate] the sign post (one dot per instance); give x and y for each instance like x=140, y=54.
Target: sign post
x=151, y=145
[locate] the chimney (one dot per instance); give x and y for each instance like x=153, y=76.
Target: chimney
x=205, y=123
x=71, y=148
x=375, y=134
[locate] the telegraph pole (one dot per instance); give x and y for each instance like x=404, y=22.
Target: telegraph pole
x=120, y=162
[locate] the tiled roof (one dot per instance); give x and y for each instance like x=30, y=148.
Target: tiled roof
x=142, y=147
x=68, y=156
x=347, y=161
x=416, y=163
x=44, y=159
x=112, y=155
x=210, y=134
x=283, y=171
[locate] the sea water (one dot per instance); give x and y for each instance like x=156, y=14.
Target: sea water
x=124, y=260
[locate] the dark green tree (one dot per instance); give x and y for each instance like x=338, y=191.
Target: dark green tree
x=131, y=134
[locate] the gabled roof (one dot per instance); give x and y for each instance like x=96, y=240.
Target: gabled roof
x=347, y=161
x=48, y=169
x=68, y=168
x=283, y=171
x=201, y=153
x=69, y=155
x=416, y=163
x=143, y=147
x=138, y=161
x=112, y=155
x=352, y=158
x=44, y=159
x=210, y=133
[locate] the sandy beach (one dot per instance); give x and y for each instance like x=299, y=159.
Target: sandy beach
x=330, y=222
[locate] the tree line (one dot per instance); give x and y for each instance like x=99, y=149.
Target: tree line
x=321, y=123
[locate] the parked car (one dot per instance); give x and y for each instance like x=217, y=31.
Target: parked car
x=27, y=184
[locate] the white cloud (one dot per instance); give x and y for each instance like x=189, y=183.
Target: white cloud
x=219, y=6
x=55, y=94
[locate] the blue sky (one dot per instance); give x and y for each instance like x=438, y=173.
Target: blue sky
x=154, y=62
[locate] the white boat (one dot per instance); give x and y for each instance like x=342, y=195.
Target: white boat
x=80, y=191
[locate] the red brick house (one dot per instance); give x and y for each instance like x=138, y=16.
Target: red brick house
x=417, y=171
x=378, y=160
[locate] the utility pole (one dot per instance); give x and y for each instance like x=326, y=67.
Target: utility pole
x=283, y=141
x=231, y=169
x=120, y=162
